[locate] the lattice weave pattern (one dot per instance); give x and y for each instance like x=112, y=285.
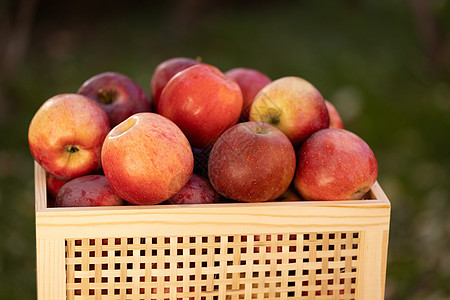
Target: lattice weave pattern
x=264, y=266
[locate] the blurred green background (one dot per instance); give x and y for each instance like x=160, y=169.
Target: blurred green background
x=384, y=64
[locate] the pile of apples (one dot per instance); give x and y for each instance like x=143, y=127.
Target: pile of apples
x=203, y=136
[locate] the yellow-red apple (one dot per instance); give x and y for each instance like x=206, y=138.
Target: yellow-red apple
x=252, y=162
x=66, y=135
x=203, y=102
x=250, y=81
x=335, y=164
x=88, y=190
x=335, y=118
x=118, y=94
x=147, y=159
x=293, y=105
x=164, y=72
x=197, y=190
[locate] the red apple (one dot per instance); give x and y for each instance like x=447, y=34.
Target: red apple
x=335, y=118
x=118, y=94
x=251, y=82
x=54, y=185
x=147, y=159
x=293, y=105
x=66, y=135
x=335, y=164
x=88, y=190
x=203, y=102
x=164, y=72
x=252, y=162
x=198, y=190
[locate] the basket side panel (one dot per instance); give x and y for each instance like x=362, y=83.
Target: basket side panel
x=288, y=261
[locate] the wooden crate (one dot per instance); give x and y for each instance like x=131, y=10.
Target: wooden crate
x=272, y=250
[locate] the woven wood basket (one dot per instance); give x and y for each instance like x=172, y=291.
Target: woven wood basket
x=272, y=250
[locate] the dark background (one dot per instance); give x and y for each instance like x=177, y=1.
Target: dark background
x=384, y=64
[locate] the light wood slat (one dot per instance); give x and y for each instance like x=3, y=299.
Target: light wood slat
x=40, y=187
x=50, y=268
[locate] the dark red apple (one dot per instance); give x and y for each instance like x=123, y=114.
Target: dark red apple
x=147, y=159
x=197, y=190
x=88, y=190
x=164, y=72
x=335, y=164
x=118, y=94
x=203, y=102
x=250, y=81
x=252, y=162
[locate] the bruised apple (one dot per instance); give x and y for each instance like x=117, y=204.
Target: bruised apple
x=196, y=191
x=88, y=190
x=203, y=102
x=252, y=162
x=119, y=95
x=147, y=159
x=66, y=135
x=293, y=105
x=335, y=164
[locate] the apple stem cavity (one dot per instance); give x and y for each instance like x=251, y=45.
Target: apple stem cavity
x=72, y=149
x=260, y=130
x=273, y=116
x=106, y=96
